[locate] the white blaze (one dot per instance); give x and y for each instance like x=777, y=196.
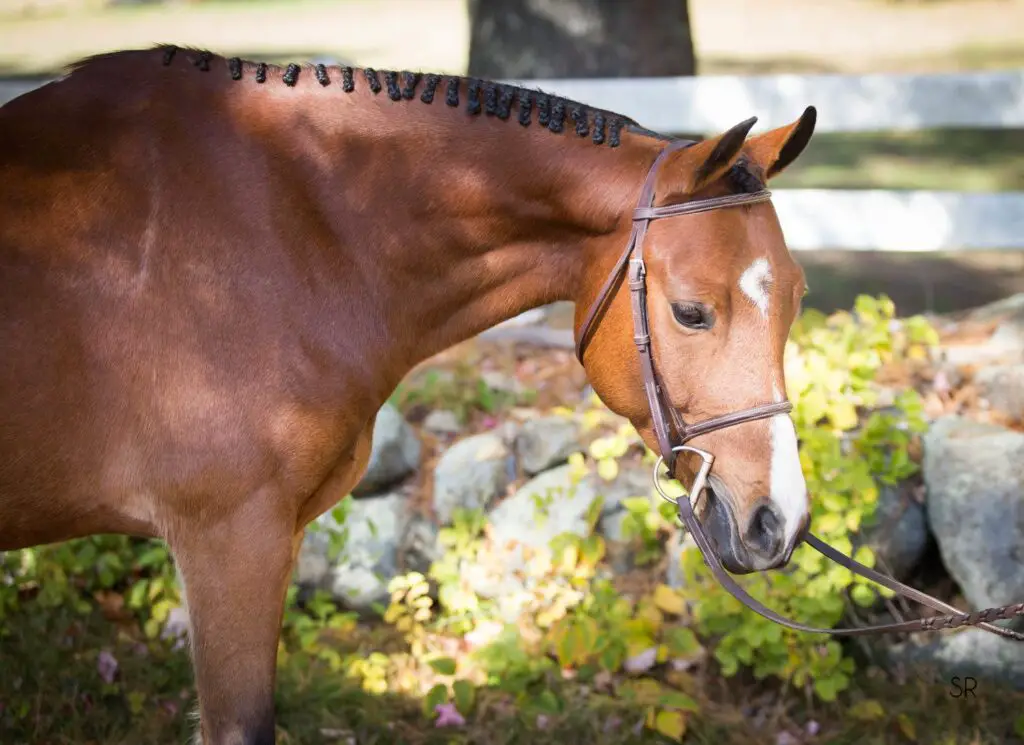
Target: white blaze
x=755, y=282
x=786, y=482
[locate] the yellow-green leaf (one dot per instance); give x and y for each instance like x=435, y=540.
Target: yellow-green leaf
x=672, y=724
x=843, y=414
x=907, y=727
x=668, y=600
x=464, y=694
x=608, y=469
x=443, y=665
x=868, y=710
x=676, y=700
x=435, y=697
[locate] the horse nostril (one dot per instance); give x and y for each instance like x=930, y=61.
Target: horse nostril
x=765, y=531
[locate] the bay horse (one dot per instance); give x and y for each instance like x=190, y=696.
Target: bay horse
x=213, y=272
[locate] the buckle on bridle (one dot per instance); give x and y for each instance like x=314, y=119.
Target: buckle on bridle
x=699, y=481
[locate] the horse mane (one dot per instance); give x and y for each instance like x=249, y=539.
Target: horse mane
x=491, y=98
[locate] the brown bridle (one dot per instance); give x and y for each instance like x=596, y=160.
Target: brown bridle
x=633, y=255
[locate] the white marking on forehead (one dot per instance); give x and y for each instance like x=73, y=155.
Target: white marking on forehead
x=755, y=282
x=788, y=489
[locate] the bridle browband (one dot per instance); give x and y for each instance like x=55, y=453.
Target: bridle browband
x=664, y=427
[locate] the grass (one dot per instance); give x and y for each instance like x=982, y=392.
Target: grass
x=50, y=659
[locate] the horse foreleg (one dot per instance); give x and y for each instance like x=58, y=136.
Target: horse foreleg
x=235, y=576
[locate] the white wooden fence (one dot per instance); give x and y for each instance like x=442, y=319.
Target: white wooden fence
x=847, y=219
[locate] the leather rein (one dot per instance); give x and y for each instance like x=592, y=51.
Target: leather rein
x=645, y=212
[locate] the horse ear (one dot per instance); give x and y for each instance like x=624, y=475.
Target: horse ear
x=698, y=165
x=777, y=148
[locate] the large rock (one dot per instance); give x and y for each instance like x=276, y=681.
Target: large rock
x=360, y=575
x=898, y=535
x=395, y=454
x=442, y=422
x=677, y=546
x=971, y=653
x=546, y=442
x=544, y=507
x=1003, y=387
x=421, y=546
x=1004, y=344
x=974, y=473
x=470, y=474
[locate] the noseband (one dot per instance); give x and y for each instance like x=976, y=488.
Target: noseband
x=665, y=426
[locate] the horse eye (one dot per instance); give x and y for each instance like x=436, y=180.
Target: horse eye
x=692, y=315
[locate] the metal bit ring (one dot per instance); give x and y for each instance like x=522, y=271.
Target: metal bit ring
x=699, y=482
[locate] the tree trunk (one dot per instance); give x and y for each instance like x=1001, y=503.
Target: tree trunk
x=580, y=38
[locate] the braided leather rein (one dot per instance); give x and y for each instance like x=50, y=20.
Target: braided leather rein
x=644, y=213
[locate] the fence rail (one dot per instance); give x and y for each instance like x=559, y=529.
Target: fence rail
x=854, y=220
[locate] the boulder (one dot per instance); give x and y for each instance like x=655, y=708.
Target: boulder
x=395, y=452
x=898, y=534
x=952, y=658
x=470, y=474
x=1002, y=386
x=974, y=474
x=359, y=576
x=544, y=507
x=546, y=442
x=442, y=422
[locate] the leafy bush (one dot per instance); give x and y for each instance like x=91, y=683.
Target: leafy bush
x=845, y=449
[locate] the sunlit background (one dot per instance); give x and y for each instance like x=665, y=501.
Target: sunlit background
x=408, y=625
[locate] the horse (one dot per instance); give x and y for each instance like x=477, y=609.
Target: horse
x=213, y=273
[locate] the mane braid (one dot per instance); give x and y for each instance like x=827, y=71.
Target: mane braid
x=579, y=115
x=613, y=132
x=525, y=107
x=505, y=102
x=391, y=81
x=491, y=98
x=598, y=136
x=473, y=104
x=543, y=115
x=429, y=86
x=371, y=77
x=452, y=94
x=557, y=115
x=203, y=61
x=411, y=79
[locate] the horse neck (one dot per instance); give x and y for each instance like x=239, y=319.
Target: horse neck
x=465, y=221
